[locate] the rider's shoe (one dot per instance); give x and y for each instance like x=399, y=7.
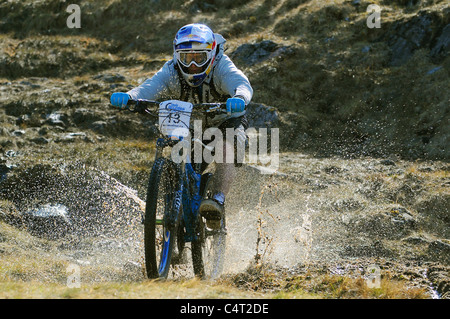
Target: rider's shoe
x=213, y=210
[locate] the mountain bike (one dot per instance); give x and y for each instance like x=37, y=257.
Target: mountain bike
x=175, y=190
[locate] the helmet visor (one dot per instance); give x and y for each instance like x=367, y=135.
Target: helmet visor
x=187, y=58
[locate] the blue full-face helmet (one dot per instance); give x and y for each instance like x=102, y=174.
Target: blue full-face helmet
x=195, y=44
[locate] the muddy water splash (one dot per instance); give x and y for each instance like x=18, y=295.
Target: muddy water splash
x=93, y=219
x=338, y=212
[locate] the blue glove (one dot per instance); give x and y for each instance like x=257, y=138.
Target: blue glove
x=119, y=99
x=235, y=104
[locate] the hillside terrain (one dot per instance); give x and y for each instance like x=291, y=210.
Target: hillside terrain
x=363, y=177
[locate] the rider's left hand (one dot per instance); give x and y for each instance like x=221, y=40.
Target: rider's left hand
x=235, y=104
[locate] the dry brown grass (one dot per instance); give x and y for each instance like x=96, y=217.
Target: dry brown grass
x=191, y=289
x=314, y=284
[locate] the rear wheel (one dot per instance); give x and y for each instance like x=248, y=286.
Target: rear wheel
x=160, y=231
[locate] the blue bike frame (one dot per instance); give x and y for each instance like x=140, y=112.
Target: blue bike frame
x=191, y=202
x=189, y=194
x=182, y=205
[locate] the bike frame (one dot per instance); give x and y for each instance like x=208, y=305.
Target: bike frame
x=189, y=195
x=180, y=220
x=191, y=202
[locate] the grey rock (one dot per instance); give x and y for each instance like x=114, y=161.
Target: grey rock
x=260, y=115
x=99, y=126
x=48, y=221
x=387, y=162
x=18, y=133
x=440, y=278
x=435, y=213
x=416, y=240
x=71, y=137
x=376, y=249
x=425, y=30
x=396, y=223
x=110, y=78
x=440, y=251
x=251, y=54
x=10, y=153
x=83, y=116
x=5, y=168
x=56, y=119
x=40, y=140
x=89, y=201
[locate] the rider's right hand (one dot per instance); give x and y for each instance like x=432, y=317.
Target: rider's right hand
x=119, y=99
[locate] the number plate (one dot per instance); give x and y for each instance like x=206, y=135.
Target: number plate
x=174, y=117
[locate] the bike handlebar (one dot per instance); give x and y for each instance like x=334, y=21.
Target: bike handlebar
x=143, y=106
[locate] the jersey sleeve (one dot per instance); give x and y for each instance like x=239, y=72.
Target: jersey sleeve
x=162, y=85
x=232, y=81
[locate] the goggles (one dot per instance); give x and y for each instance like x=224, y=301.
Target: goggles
x=187, y=58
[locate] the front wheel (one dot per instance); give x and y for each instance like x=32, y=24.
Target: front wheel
x=208, y=250
x=159, y=234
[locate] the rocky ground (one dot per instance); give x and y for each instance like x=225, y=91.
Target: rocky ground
x=314, y=217
x=363, y=177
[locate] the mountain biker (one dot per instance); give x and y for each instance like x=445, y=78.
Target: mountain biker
x=200, y=72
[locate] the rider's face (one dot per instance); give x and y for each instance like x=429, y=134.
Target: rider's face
x=193, y=69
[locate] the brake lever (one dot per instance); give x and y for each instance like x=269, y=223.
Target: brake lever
x=137, y=108
x=213, y=109
x=217, y=108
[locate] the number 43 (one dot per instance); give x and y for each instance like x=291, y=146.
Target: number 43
x=175, y=117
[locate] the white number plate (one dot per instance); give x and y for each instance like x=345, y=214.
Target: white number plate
x=174, y=117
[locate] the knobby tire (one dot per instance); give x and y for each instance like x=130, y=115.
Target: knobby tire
x=158, y=240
